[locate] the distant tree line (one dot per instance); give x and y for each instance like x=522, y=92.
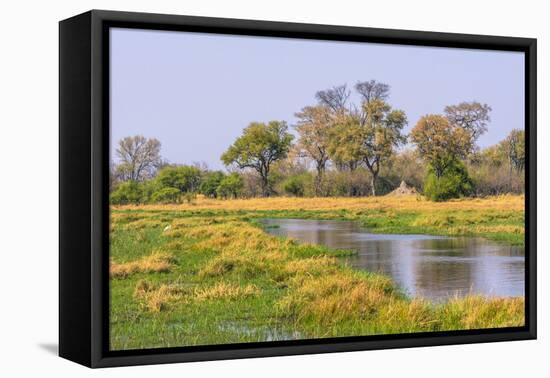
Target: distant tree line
x=342, y=149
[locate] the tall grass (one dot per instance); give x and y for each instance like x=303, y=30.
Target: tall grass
x=407, y=202
x=156, y=262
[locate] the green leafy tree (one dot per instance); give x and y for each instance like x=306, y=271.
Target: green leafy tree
x=258, y=148
x=370, y=137
x=182, y=177
x=230, y=186
x=336, y=101
x=368, y=134
x=380, y=135
x=440, y=143
x=314, y=129
x=345, y=143
x=210, y=183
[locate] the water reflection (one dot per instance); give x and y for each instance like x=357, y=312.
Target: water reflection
x=433, y=267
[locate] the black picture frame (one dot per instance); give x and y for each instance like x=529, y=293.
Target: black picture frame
x=83, y=181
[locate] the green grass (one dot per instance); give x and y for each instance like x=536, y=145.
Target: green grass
x=500, y=226
x=227, y=281
x=505, y=226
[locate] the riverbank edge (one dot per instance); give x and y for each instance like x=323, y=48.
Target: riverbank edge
x=390, y=221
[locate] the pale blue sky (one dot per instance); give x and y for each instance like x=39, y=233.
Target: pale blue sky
x=196, y=92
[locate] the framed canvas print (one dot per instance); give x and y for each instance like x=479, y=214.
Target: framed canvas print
x=235, y=188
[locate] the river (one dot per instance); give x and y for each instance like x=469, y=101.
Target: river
x=431, y=267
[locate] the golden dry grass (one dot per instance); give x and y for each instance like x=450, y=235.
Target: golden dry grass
x=329, y=300
x=224, y=290
x=499, y=218
x=156, y=262
x=400, y=203
x=475, y=312
x=157, y=298
x=332, y=297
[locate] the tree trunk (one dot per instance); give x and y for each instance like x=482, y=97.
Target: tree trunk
x=374, y=169
x=263, y=171
x=319, y=180
x=373, y=178
x=265, y=186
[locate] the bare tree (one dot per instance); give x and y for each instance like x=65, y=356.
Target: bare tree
x=335, y=98
x=372, y=90
x=471, y=116
x=369, y=91
x=139, y=157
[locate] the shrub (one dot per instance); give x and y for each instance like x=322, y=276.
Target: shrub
x=348, y=183
x=183, y=177
x=231, y=186
x=210, y=183
x=166, y=195
x=493, y=173
x=296, y=185
x=453, y=183
x=128, y=192
x=491, y=180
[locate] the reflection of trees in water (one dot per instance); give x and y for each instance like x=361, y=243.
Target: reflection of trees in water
x=433, y=268
x=437, y=273
x=443, y=278
x=443, y=245
x=466, y=247
x=375, y=256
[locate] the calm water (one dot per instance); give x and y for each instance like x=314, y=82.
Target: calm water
x=432, y=267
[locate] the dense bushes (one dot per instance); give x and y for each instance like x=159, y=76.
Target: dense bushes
x=176, y=184
x=298, y=185
x=496, y=180
x=230, y=186
x=128, y=192
x=166, y=195
x=454, y=182
x=210, y=183
x=494, y=173
x=183, y=177
x=356, y=183
x=480, y=177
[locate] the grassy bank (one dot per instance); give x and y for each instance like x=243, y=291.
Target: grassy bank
x=499, y=218
x=204, y=273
